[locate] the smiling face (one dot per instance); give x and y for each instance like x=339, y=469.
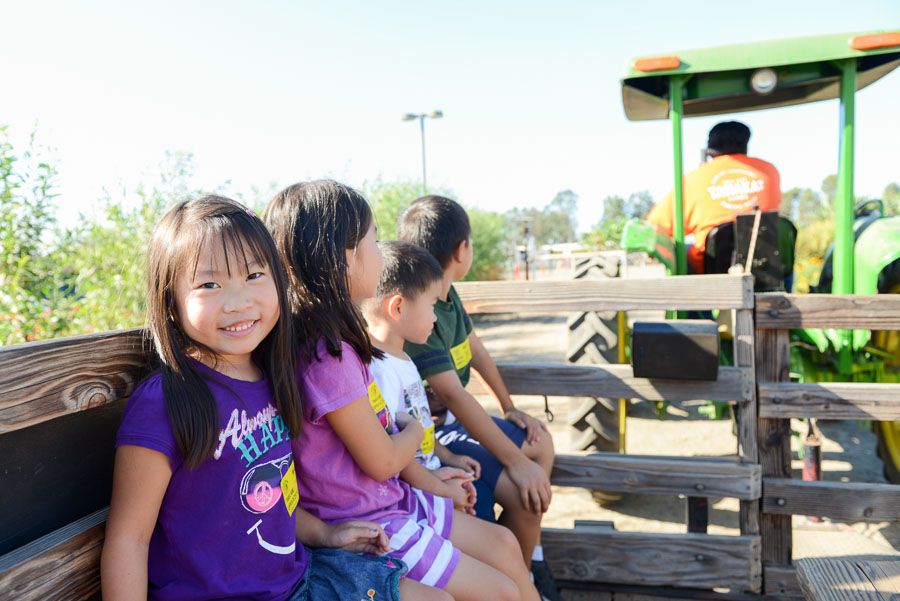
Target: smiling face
x=364, y=265
x=231, y=313
x=417, y=314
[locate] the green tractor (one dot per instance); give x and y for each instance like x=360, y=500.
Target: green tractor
x=865, y=255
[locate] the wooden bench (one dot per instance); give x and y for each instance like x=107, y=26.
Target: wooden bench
x=60, y=406
x=846, y=579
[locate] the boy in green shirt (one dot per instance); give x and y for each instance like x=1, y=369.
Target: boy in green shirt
x=516, y=453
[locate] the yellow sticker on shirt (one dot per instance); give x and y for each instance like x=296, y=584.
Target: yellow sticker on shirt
x=428, y=441
x=462, y=354
x=376, y=399
x=289, y=489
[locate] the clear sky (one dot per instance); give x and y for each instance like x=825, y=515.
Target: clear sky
x=278, y=91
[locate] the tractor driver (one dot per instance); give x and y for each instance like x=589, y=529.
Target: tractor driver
x=729, y=184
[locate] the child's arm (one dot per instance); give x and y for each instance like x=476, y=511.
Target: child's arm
x=528, y=476
x=415, y=474
x=356, y=536
x=380, y=456
x=451, y=459
x=140, y=479
x=486, y=371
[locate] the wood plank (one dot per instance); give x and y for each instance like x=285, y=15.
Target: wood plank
x=683, y=560
x=777, y=310
x=832, y=579
x=830, y=400
x=616, y=381
x=774, y=443
x=688, y=292
x=781, y=581
x=851, y=501
x=657, y=475
x=884, y=575
x=63, y=566
x=745, y=415
x=43, y=380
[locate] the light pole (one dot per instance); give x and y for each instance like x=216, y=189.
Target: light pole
x=421, y=117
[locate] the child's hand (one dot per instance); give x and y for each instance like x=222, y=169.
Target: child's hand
x=473, y=497
x=403, y=419
x=358, y=536
x=533, y=427
x=446, y=473
x=462, y=497
x=463, y=462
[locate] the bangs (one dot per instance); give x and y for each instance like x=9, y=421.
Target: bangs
x=239, y=239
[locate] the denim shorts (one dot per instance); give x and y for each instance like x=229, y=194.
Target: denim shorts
x=456, y=438
x=338, y=574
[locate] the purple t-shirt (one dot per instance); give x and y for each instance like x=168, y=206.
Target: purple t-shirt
x=332, y=485
x=223, y=531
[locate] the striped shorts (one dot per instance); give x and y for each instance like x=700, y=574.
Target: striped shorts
x=421, y=539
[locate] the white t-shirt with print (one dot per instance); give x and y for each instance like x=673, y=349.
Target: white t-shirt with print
x=403, y=390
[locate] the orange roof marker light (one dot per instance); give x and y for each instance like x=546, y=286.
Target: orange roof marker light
x=656, y=63
x=876, y=40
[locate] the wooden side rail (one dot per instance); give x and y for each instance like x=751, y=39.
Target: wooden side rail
x=617, y=381
x=682, y=560
x=63, y=565
x=851, y=501
x=831, y=400
x=44, y=380
x=688, y=292
x=691, y=476
x=779, y=311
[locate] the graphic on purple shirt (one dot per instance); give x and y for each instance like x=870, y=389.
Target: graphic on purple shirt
x=332, y=486
x=224, y=530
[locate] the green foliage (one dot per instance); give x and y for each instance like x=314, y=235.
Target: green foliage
x=388, y=199
x=891, y=198
x=553, y=224
x=491, y=235
x=607, y=233
x=90, y=277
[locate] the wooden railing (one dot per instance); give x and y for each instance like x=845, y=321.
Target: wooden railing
x=779, y=400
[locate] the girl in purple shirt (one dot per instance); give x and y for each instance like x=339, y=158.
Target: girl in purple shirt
x=350, y=453
x=205, y=501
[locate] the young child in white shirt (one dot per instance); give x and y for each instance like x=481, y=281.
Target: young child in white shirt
x=403, y=309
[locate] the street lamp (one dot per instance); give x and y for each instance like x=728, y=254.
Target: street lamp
x=421, y=117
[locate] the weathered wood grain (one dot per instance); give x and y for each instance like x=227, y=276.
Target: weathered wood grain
x=884, y=575
x=777, y=310
x=62, y=566
x=692, y=476
x=830, y=400
x=745, y=415
x=682, y=560
x=616, y=381
x=614, y=294
x=773, y=365
x=833, y=579
x=851, y=501
x=782, y=581
x=43, y=380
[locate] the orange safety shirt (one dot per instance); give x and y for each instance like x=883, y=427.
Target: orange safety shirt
x=714, y=193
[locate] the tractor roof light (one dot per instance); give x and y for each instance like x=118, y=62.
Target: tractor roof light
x=875, y=40
x=657, y=63
x=763, y=81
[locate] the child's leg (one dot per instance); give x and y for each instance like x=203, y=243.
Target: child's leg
x=410, y=590
x=489, y=549
x=524, y=524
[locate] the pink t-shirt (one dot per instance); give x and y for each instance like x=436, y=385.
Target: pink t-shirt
x=332, y=486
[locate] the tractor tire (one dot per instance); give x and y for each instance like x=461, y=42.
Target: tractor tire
x=593, y=339
x=888, y=433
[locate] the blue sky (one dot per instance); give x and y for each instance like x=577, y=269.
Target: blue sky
x=277, y=92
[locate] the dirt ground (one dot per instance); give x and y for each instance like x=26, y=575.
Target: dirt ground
x=848, y=453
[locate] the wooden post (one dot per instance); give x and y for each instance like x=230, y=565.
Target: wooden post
x=697, y=514
x=774, y=436
x=746, y=413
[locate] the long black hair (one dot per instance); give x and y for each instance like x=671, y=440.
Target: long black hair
x=175, y=246
x=314, y=224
